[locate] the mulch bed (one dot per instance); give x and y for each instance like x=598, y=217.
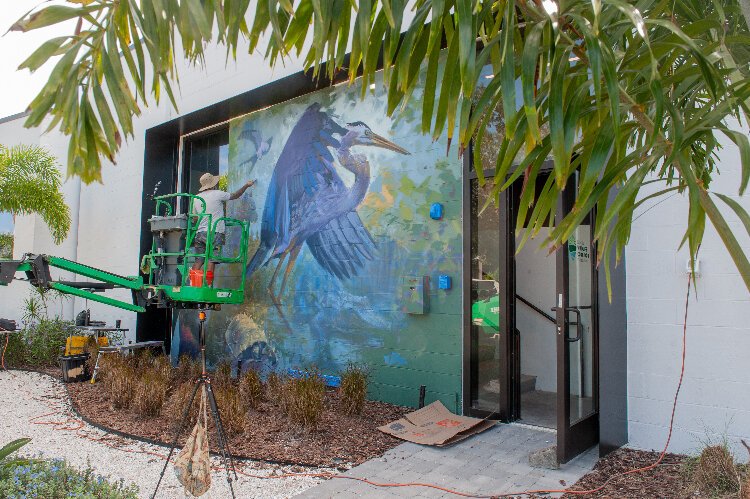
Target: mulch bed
x=666, y=481
x=339, y=441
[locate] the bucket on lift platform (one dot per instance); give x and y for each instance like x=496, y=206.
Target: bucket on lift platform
x=196, y=277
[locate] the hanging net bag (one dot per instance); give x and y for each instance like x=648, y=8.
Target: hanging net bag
x=193, y=465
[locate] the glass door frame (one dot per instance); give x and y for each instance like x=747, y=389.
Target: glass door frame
x=508, y=362
x=574, y=437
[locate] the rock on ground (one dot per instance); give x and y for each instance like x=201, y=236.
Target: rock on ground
x=36, y=406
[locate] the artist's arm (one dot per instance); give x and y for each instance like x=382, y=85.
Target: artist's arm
x=241, y=190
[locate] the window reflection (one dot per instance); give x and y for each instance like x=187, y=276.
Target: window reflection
x=486, y=377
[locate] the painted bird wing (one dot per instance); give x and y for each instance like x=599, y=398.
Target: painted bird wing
x=305, y=166
x=343, y=245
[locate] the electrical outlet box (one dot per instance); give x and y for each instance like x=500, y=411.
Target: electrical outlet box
x=444, y=282
x=436, y=211
x=414, y=292
x=689, y=268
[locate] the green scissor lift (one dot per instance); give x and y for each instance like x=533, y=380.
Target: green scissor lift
x=167, y=265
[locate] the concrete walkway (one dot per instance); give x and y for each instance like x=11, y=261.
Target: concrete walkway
x=493, y=462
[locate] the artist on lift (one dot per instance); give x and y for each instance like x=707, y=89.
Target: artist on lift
x=215, y=199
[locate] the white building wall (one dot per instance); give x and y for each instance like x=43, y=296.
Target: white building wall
x=714, y=402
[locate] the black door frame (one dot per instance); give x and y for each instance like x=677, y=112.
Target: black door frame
x=571, y=439
x=574, y=438
x=509, y=378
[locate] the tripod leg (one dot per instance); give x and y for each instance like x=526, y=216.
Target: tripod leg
x=220, y=426
x=173, y=445
x=226, y=456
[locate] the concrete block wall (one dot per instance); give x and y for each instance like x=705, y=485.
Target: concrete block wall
x=713, y=403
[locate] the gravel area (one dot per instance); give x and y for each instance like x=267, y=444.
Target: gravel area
x=36, y=406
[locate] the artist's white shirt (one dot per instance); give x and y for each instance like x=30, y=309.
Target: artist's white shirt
x=215, y=200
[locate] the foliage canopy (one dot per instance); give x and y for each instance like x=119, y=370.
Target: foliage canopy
x=30, y=182
x=635, y=94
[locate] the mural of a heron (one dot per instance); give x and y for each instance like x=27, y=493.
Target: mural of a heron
x=307, y=202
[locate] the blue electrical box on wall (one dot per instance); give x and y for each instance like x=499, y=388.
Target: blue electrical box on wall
x=444, y=282
x=436, y=211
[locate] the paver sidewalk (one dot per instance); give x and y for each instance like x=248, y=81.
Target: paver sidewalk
x=493, y=462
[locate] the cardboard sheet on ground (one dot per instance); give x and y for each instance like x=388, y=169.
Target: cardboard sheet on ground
x=435, y=425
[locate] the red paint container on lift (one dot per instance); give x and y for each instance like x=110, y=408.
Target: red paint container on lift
x=196, y=278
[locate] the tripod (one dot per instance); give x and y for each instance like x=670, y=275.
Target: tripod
x=203, y=381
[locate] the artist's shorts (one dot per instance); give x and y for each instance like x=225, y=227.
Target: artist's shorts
x=199, y=243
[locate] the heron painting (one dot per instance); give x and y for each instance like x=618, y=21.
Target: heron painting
x=308, y=203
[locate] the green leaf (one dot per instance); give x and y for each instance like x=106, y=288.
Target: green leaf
x=528, y=78
x=727, y=236
x=51, y=15
x=741, y=140
x=12, y=447
x=43, y=53
x=738, y=210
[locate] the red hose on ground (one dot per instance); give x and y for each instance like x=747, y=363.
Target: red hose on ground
x=63, y=426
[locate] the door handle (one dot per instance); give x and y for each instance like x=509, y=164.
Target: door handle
x=578, y=323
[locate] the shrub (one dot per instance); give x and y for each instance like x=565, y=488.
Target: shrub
x=150, y=389
x=56, y=479
x=715, y=472
x=231, y=408
x=15, y=350
x=303, y=398
x=92, y=348
x=187, y=370
x=39, y=344
x=176, y=404
x=119, y=380
x=273, y=389
x=223, y=374
x=354, y=382
x=163, y=365
x=251, y=388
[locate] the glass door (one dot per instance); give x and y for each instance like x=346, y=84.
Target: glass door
x=577, y=338
x=489, y=343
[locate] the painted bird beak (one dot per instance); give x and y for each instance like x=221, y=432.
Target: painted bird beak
x=380, y=141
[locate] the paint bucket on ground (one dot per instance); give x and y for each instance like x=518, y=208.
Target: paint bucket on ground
x=196, y=277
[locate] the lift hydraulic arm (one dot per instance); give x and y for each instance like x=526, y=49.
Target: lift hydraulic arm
x=37, y=270
x=167, y=265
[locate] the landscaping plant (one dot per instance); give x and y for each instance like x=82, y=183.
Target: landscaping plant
x=251, y=388
x=119, y=380
x=188, y=369
x=302, y=398
x=715, y=472
x=39, y=344
x=150, y=390
x=6, y=245
x=223, y=374
x=30, y=182
x=233, y=410
x=354, y=382
x=53, y=479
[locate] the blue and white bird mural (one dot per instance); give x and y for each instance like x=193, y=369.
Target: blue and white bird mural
x=262, y=146
x=308, y=202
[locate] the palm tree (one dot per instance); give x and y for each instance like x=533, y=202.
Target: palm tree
x=30, y=183
x=633, y=93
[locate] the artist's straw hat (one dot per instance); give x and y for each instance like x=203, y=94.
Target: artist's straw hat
x=208, y=181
